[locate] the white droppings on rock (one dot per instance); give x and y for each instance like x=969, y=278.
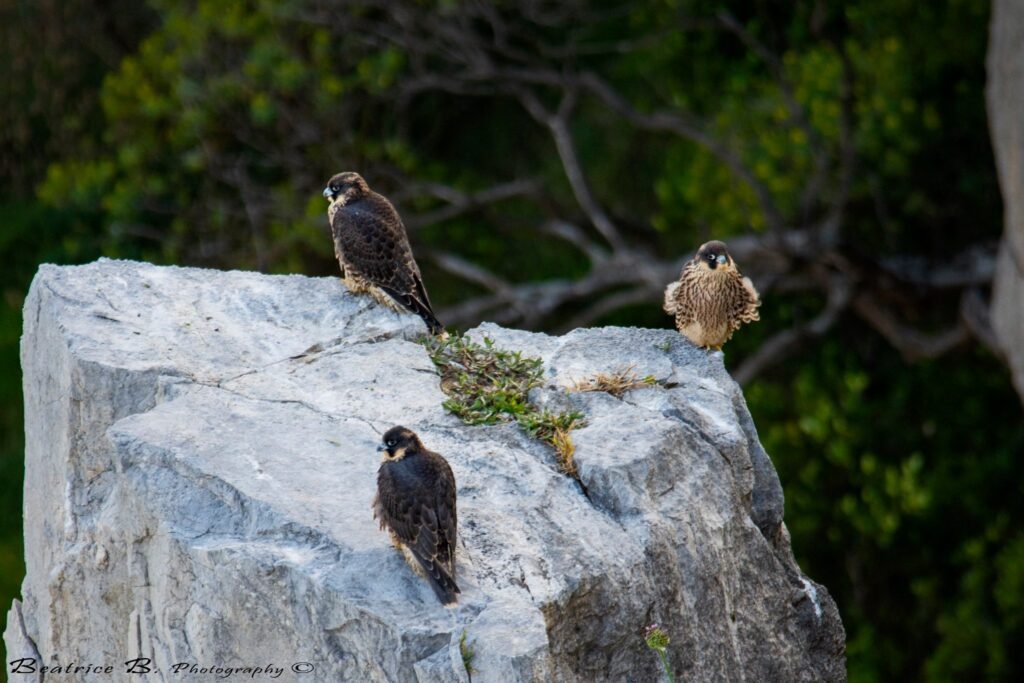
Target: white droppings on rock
x=812, y=594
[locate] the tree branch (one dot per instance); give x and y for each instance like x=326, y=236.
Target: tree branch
x=557, y=124
x=788, y=341
x=912, y=343
x=460, y=202
x=975, y=313
x=468, y=271
x=690, y=130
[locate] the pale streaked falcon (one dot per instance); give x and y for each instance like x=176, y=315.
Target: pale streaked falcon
x=711, y=299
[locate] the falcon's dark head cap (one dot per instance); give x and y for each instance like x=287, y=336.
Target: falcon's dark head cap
x=347, y=186
x=713, y=254
x=397, y=441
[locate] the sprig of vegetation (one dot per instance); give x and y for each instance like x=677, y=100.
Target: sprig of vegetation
x=658, y=640
x=466, y=650
x=487, y=385
x=554, y=428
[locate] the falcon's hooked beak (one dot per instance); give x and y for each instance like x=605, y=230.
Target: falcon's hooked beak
x=381, y=447
x=722, y=258
x=328, y=194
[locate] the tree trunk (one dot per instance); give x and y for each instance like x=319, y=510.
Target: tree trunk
x=1006, y=123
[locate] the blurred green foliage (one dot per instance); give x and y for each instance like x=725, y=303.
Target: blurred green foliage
x=200, y=132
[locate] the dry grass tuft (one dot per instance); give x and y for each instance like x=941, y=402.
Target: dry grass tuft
x=615, y=383
x=565, y=449
x=553, y=429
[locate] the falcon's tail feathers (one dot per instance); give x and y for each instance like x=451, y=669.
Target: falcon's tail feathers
x=433, y=324
x=419, y=308
x=441, y=581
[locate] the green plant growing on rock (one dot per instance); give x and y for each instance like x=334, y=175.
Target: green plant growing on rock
x=488, y=385
x=466, y=650
x=554, y=428
x=658, y=641
x=485, y=385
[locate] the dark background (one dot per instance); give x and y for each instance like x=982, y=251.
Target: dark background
x=555, y=163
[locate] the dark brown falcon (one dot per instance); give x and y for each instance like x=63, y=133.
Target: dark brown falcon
x=373, y=249
x=416, y=504
x=712, y=298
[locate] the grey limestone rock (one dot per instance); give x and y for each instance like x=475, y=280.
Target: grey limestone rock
x=200, y=465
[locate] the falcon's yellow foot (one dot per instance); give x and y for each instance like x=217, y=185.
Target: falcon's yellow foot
x=383, y=299
x=413, y=563
x=388, y=302
x=360, y=286
x=355, y=286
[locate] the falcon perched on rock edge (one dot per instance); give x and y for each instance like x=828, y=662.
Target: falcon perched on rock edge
x=373, y=249
x=416, y=503
x=712, y=298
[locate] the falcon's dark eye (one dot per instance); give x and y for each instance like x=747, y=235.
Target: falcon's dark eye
x=335, y=188
x=711, y=257
x=391, y=443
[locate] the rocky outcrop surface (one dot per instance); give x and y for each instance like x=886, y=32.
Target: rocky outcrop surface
x=200, y=467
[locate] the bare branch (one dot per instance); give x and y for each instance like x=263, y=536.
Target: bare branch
x=788, y=341
x=530, y=303
x=466, y=270
x=459, y=202
x=690, y=130
x=912, y=343
x=975, y=313
x=975, y=266
x=576, y=237
x=637, y=271
x=558, y=125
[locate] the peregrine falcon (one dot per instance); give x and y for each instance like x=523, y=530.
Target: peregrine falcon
x=416, y=504
x=373, y=249
x=712, y=298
